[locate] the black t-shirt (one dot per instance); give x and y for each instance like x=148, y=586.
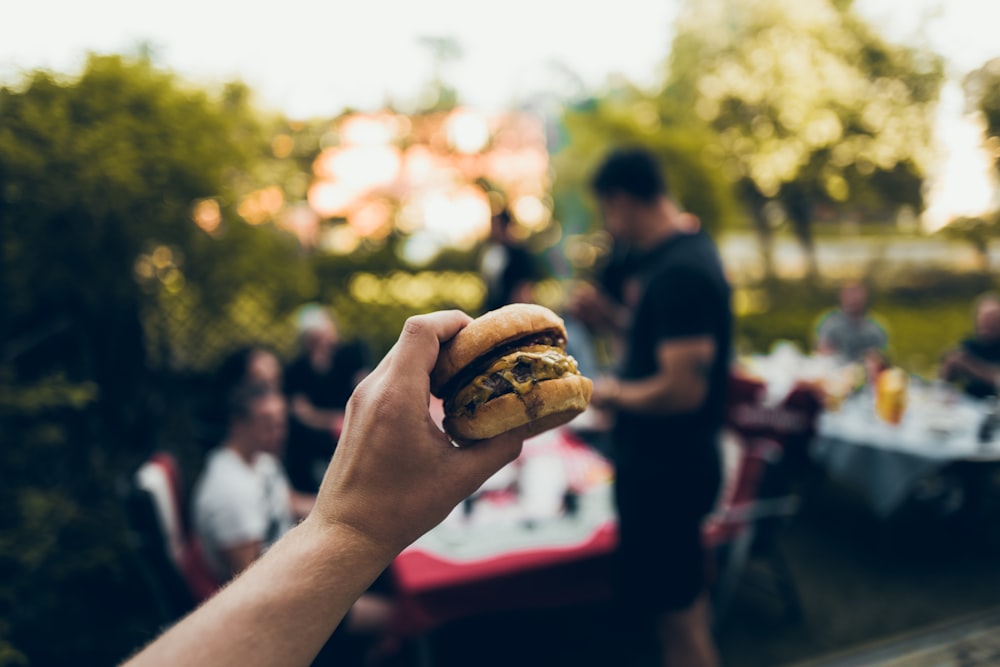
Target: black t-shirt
x=985, y=351
x=328, y=390
x=677, y=290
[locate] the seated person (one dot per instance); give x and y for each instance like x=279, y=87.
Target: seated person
x=243, y=502
x=975, y=365
x=317, y=384
x=250, y=364
x=850, y=332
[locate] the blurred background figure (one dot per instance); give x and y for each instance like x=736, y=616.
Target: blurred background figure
x=317, y=384
x=243, y=502
x=249, y=365
x=850, y=332
x=509, y=269
x=668, y=398
x=975, y=364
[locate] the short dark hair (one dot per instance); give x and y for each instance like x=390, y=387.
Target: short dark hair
x=241, y=399
x=234, y=392
x=631, y=171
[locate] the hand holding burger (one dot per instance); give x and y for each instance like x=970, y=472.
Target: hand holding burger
x=509, y=370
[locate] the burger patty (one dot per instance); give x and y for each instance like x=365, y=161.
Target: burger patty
x=552, y=338
x=513, y=372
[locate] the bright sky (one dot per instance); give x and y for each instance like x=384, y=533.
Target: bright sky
x=313, y=57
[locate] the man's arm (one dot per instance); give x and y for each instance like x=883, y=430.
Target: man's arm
x=974, y=368
x=680, y=384
x=394, y=476
x=597, y=311
x=313, y=417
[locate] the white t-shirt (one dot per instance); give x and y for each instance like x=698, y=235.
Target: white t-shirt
x=236, y=502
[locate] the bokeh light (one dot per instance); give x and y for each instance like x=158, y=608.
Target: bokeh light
x=207, y=215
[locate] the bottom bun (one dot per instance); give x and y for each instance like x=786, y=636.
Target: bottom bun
x=548, y=404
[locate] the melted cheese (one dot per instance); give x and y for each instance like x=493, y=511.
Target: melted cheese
x=541, y=362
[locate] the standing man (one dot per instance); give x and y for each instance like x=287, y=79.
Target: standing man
x=669, y=398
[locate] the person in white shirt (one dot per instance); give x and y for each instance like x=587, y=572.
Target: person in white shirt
x=395, y=476
x=242, y=501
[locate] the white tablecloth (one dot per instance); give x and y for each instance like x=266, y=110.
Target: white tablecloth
x=885, y=461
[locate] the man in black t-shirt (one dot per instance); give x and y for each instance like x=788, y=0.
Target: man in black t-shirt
x=669, y=397
x=318, y=384
x=975, y=365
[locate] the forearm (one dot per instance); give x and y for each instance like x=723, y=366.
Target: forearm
x=282, y=609
x=659, y=396
x=317, y=418
x=980, y=370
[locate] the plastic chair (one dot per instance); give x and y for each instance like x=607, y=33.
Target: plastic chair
x=169, y=555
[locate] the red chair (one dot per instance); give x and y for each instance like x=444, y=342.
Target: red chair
x=764, y=444
x=742, y=526
x=169, y=554
x=790, y=423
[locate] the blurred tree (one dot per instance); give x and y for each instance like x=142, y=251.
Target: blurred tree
x=441, y=95
x=810, y=105
x=982, y=90
x=100, y=176
x=978, y=231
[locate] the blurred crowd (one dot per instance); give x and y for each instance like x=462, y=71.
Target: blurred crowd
x=660, y=302
x=852, y=333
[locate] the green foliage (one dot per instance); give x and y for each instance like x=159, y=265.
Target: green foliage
x=982, y=90
x=977, y=231
x=925, y=312
x=806, y=93
x=631, y=118
x=99, y=259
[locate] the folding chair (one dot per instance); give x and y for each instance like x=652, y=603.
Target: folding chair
x=169, y=555
x=743, y=525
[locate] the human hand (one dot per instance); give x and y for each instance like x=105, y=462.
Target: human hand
x=592, y=307
x=952, y=365
x=605, y=394
x=395, y=474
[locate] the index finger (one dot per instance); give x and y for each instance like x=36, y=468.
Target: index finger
x=420, y=341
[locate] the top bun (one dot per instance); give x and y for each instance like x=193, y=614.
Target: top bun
x=491, y=330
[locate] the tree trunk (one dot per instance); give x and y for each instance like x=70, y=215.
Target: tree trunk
x=756, y=202
x=799, y=210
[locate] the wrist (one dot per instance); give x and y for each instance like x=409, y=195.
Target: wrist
x=340, y=541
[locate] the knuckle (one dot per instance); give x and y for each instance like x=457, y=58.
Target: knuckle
x=362, y=392
x=415, y=325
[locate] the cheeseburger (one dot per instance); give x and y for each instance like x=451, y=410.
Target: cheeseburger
x=509, y=369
